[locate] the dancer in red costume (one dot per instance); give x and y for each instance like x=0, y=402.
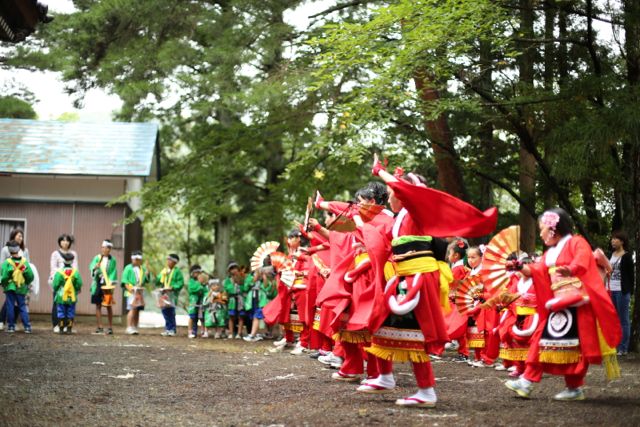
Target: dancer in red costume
x=355, y=291
x=518, y=322
x=408, y=317
x=289, y=307
x=456, y=322
x=578, y=323
x=319, y=269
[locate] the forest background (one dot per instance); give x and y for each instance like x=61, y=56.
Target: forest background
x=521, y=104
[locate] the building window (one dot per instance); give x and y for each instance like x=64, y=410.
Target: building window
x=8, y=224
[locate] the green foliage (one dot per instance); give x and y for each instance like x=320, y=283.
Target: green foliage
x=15, y=108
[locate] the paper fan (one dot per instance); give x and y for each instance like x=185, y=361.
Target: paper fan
x=287, y=277
x=263, y=251
x=278, y=260
x=503, y=246
x=467, y=293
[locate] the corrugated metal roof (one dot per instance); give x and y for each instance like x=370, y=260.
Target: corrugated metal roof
x=62, y=148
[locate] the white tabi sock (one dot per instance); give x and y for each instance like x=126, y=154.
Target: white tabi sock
x=384, y=380
x=426, y=394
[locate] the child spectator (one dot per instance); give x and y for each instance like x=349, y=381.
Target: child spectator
x=15, y=277
x=66, y=285
x=215, y=315
x=196, y=294
x=263, y=290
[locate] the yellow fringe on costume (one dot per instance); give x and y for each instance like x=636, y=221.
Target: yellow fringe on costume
x=398, y=355
x=516, y=354
x=354, y=337
x=609, y=358
x=476, y=343
x=560, y=357
x=316, y=325
x=429, y=265
x=293, y=327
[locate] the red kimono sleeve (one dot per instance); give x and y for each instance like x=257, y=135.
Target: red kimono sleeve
x=440, y=214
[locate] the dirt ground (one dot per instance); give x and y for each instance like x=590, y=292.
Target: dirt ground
x=147, y=380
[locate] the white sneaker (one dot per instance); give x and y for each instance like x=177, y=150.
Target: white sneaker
x=329, y=359
x=281, y=342
x=130, y=331
x=56, y=329
x=481, y=364
x=205, y=335
x=171, y=334
x=511, y=369
x=238, y=337
x=191, y=335
x=217, y=336
x=250, y=338
x=569, y=394
x=453, y=345
x=1, y=326
x=499, y=367
x=298, y=350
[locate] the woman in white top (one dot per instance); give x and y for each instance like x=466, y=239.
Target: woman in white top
x=57, y=262
x=16, y=234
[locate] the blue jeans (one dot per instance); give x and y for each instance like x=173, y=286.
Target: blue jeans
x=12, y=299
x=169, y=314
x=66, y=311
x=621, y=302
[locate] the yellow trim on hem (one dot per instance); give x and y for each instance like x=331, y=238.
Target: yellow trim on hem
x=354, y=337
x=476, y=343
x=560, y=357
x=516, y=354
x=398, y=355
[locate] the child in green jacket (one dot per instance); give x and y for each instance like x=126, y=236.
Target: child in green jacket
x=66, y=285
x=215, y=314
x=15, y=277
x=195, y=288
x=263, y=290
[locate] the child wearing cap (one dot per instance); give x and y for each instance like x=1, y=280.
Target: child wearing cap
x=195, y=289
x=15, y=277
x=104, y=275
x=66, y=285
x=135, y=277
x=171, y=281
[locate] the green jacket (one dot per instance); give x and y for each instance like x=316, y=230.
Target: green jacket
x=129, y=278
x=96, y=272
x=237, y=292
x=58, y=283
x=6, y=276
x=173, y=279
x=261, y=291
x=196, y=295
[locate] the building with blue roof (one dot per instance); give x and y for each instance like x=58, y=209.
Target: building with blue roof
x=57, y=177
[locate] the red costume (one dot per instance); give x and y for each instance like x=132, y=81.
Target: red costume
x=569, y=338
x=518, y=323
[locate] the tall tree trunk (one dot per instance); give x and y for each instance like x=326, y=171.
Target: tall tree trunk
x=632, y=162
x=590, y=208
x=449, y=173
x=222, y=240
x=485, y=131
x=527, y=177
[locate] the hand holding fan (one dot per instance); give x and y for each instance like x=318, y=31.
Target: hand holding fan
x=503, y=247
